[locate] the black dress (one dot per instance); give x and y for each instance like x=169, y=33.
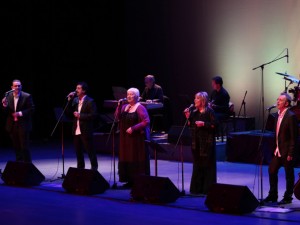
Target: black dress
x=203, y=151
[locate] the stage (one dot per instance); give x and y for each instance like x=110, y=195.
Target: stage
x=50, y=203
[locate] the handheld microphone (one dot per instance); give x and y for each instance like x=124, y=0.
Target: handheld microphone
x=287, y=55
x=122, y=99
x=72, y=94
x=271, y=107
x=190, y=107
x=12, y=90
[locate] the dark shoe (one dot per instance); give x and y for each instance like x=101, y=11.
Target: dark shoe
x=285, y=200
x=127, y=185
x=270, y=198
x=194, y=194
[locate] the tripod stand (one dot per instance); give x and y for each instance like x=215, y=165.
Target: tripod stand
x=59, y=113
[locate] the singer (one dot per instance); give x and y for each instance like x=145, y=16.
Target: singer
x=285, y=152
x=19, y=107
x=134, y=124
x=202, y=123
x=83, y=111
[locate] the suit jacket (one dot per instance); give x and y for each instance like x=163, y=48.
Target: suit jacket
x=88, y=114
x=25, y=105
x=288, y=134
x=220, y=100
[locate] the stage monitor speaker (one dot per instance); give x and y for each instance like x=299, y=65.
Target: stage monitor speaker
x=154, y=189
x=234, y=199
x=84, y=182
x=174, y=133
x=297, y=188
x=22, y=174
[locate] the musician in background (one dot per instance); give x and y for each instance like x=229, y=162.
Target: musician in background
x=219, y=98
x=201, y=121
x=152, y=91
x=219, y=102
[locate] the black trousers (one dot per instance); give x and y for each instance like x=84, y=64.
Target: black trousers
x=20, y=142
x=274, y=166
x=85, y=143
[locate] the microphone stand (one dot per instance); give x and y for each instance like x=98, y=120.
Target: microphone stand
x=261, y=161
x=243, y=105
x=262, y=86
x=181, y=156
x=62, y=137
x=112, y=133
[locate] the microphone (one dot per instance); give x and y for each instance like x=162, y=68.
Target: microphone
x=12, y=90
x=122, y=99
x=191, y=106
x=72, y=94
x=271, y=107
x=287, y=55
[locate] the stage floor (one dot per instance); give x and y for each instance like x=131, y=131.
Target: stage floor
x=49, y=203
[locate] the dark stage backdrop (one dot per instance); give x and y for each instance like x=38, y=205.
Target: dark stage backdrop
x=51, y=45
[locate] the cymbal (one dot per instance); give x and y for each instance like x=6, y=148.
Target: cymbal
x=283, y=74
x=291, y=79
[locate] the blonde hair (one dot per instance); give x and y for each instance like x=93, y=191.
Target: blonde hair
x=204, y=97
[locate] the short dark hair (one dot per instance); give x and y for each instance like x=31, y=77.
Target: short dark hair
x=150, y=77
x=84, y=86
x=218, y=80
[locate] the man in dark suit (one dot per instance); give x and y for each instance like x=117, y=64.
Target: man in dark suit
x=286, y=134
x=83, y=110
x=18, y=105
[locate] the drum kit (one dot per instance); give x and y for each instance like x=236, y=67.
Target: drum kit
x=295, y=91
